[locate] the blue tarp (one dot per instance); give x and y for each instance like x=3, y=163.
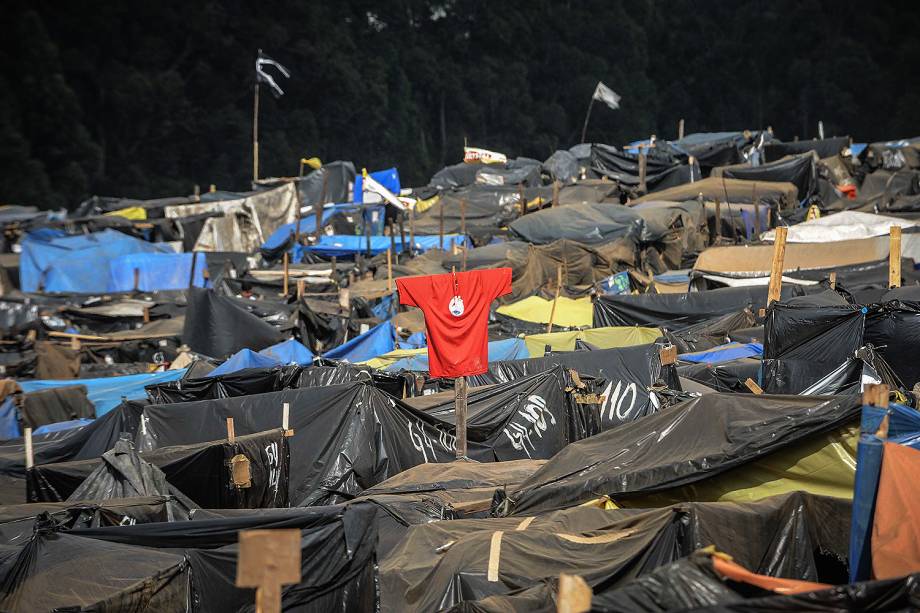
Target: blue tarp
x=79, y=263
x=9, y=425
x=508, y=349
x=415, y=341
x=106, y=393
x=61, y=425
x=156, y=271
x=724, y=353
x=903, y=428
x=289, y=352
x=244, y=358
x=342, y=245
x=388, y=178
x=378, y=340
x=385, y=307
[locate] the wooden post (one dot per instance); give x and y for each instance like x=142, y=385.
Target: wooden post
x=301, y=287
x=286, y=416
x=441, y=224
x=402, y=235
x=463, y=260
x=776, y=267
x=552, y=313
x=756, y=202
x=389, y=271
x=299, y=212
x=268, y=559
x=718, y=220
x=522, y=198
x=255, y=134
x=231, y=432
x=463, y=217
x=833, y=279
x=137, y=278
x=894, y=257
x=460, y=415
x=344, y=298
x=680, y=130
x=574, y=595
x=30, y=457
x=555, y=193
x=643, y=162
x=875, y=395
x=146, y=315
x=412, y=231
x=392, y=238
x=286, y=272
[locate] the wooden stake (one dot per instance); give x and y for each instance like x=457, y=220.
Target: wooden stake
x=146, y=315
x=680, y=130
x=301, y=289
x=30, y=458
x=776, y=267
x=460, y=415
x=268, y=559
x=463, y=217
x=231, y=432
x=894, y=257
x=463, y=260
x=552, y=313
x=833, y=279
x=522, y=198
x=574, y=595
x=555, y=193
x=756, y=201
x=412, y=231
x=441, y=225
x=389, y=271
x=718, y=220
x=643, y=162
x=286, y=416
x=284, y=290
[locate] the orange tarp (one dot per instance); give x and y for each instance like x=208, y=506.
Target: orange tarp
x=896, y=526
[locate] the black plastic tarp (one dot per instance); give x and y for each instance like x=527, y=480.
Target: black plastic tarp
x=662, y=169
x=584, y=223
x=676, y=311
x=240, y=383
x=439, y=565
x=218, y=326
x=894, y=328
x=825, y=148
x=725, y=377
x=678, y=446
x=202, y=471
x=627, y=373
x=800, y=170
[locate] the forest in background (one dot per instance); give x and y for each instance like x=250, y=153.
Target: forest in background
x=147, y=99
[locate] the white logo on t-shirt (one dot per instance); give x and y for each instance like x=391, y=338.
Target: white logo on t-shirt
x=456, y=306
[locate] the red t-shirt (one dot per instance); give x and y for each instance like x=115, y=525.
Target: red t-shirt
x=456, y=308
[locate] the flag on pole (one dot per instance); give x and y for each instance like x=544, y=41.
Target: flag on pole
x=607, y=96
x=264, y=77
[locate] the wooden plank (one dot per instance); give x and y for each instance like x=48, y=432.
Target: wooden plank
x=668, y=355
x=752, y=385
x=268, y=559
x=833, y=279
x=460, y=389
x=574, y=595
x=894, y=257
x=776, y=267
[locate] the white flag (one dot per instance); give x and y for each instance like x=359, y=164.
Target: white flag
x=264, y=77
x=607, y=96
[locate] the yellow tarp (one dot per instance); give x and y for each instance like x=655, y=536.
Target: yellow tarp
x=824, y=465
x=134, y=213
x=570, y=313
x=603, y=338
x=423, y=205
x=382, y=361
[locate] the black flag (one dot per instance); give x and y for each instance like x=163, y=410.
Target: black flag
x=264, y=77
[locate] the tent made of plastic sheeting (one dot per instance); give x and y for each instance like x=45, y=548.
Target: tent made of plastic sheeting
x=565, y=312
x=219, y=326
x=379, y=340
x=388, y=178
x=851, y=225
x=825, y=148
x=56, y=262
x=662, y=169
x=756, y=260
x=724, y=353
x=108, y=392
x=337, y=554
x=676, y=311
x=801, y=170
x=290, y=351
x=341, y=245
x=727, y=376
x=244, y=358
x=152, y=272
x=584, y=223
x=895, y=541
x=57, y=571
x=344, y=218
x=245, y=222
x=416, y=360
x=202, y=472
x=609, y=548
x=600, y=338
x=678, y=447
x=776, y=195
